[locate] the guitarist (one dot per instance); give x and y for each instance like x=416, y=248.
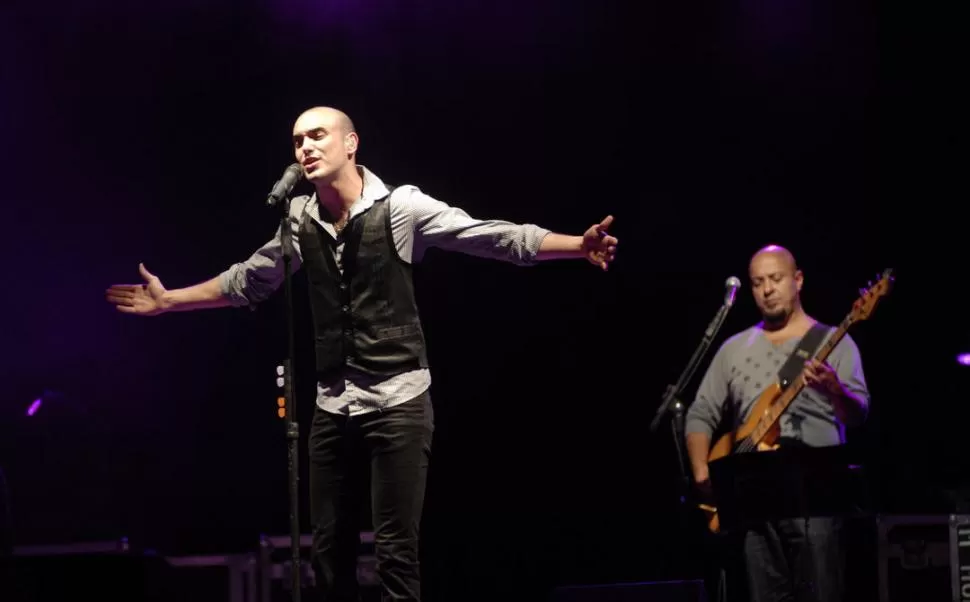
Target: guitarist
x=784, y=560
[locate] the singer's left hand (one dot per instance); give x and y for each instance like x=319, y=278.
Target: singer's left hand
x=598, y=246
x=821, y=376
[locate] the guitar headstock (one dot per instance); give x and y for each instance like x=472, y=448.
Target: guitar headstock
x=870, y=296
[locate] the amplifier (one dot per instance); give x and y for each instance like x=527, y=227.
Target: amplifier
x=960, y=554
x=924, y=557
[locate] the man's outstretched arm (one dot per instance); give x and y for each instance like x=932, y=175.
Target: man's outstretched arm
x=433, y=223
x=244, y=283
x=152, y=298
x=596, y=245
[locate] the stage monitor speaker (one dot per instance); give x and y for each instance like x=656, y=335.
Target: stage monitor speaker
x=656, y=591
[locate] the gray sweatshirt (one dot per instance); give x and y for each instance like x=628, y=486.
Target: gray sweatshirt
x=747, y=363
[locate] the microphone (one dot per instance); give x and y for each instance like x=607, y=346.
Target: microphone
x=283, y=186
x=732, y=284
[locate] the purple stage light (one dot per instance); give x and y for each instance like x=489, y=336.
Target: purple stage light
x=33, y=407
x=964, y=358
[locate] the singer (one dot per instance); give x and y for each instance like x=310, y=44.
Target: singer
x=784, y=559
x=358, y=240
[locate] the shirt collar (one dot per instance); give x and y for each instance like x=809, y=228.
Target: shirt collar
x=374, y=190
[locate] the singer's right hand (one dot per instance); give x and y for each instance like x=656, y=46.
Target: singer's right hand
x=141, y=299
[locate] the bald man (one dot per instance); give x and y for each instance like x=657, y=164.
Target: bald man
x=357, y=239
x=836, y=397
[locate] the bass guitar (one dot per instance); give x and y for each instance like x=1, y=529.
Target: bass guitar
x=761, y=429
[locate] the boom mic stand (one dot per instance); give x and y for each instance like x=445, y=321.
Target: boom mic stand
x=281, y=195
x=672, y=403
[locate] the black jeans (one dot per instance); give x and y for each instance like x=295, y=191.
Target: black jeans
x=393, y=446
x=796, y=560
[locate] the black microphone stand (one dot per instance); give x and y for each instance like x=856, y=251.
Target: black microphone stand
x=292, y=427
x=672, y=403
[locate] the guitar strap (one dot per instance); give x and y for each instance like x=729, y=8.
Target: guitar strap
x=803, y=351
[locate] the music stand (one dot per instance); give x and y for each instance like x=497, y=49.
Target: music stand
x=794, y=482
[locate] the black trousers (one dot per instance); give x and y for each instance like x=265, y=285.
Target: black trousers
x=795, y=560
x=393, y=448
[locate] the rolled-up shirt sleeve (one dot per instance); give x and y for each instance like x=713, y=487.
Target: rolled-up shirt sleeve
x=252, y=281
x=437, y=224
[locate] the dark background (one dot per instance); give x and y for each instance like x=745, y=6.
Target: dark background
x=152, y=133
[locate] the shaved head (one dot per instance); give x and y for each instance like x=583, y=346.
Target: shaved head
x=336, y=118
x=776, y=283
x=783, y=254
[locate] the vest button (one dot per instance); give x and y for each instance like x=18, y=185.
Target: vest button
x=349, y=332
x=346, y=308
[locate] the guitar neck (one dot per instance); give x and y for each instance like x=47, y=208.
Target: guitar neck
x=774, y=412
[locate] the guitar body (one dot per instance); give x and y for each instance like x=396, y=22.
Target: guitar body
x=724, y=446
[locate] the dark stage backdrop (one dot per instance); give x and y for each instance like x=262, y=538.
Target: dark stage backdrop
x=135, y=132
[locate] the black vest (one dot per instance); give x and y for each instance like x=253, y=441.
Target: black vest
x=366, y=318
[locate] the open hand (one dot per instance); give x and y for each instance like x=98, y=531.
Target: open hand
x=821, y=376
x=598, y=246
x=141, y=299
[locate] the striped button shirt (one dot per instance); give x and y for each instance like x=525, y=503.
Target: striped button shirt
x=418, y=222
